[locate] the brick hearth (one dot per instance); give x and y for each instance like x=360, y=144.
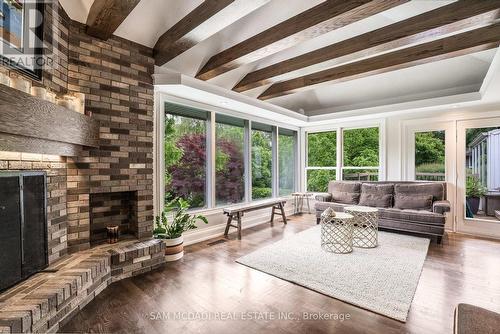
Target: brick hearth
x=45, y=301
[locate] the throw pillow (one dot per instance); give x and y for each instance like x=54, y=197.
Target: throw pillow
x=377, y=201
x=345, y=197
x=415, y=202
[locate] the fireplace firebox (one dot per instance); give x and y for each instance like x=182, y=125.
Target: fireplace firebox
x=23, y=226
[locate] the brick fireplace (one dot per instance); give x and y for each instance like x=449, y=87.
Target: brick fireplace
x=115, y=76
x=109, y=181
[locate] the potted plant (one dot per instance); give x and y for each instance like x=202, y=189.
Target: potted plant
x=172, y=223
x=474, y=191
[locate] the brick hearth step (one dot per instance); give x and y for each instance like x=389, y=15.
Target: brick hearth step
x=49, y=299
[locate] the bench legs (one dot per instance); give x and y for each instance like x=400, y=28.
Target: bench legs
x=238, y=226
x=238, y=216
x=281, y=213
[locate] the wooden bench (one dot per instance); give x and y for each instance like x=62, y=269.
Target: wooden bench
x=236, y=212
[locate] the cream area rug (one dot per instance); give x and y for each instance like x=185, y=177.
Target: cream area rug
x=381, y=279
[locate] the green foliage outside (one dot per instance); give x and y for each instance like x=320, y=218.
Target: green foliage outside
x=286, y=157
x=361, y=149
x=322, y=149
x=317, y=179
x=474, y=187
x=261, y=164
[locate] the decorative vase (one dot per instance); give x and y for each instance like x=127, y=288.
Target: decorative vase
x=113, y=234
x=473, y=204
x=175, y=249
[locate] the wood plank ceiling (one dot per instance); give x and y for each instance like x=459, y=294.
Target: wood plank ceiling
x=455, y=29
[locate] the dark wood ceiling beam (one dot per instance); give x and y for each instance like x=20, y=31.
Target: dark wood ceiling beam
x=105, y=16
x=457, y=45
x=323, y=18
x=177, y=39
x=438, y=22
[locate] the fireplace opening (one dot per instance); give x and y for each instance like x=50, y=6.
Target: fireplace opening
x=23, y=226
x=112, y=209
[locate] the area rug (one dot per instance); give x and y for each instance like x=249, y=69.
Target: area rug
x=381, y=279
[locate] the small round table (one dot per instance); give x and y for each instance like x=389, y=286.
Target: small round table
x=298, y=201
x=336, y=233
x=365, y=226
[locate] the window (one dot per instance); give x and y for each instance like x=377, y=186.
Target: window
x=430, y=156
x=482, y=163
x=262, y=157
x=321, y=160
x=229, y=160
x=212, y=159
x=361, y=154
x=185, y=154
x=286, y=157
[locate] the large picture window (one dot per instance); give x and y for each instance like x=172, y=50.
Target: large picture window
x=359, y=160
x=321, y=160
x=229, y=160
x=185, y=155
x=214, y=159
x=361, y=154
x=262, y=157
x=286, y=157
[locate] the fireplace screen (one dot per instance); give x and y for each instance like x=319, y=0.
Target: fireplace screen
x=23, y=226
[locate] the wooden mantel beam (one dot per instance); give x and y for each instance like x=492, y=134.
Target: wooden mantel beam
x=456, y=45
x=105, y=16
x=438, y=22
x=325, y=17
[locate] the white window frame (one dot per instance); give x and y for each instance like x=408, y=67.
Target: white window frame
x=377, y=123
x=158, y=151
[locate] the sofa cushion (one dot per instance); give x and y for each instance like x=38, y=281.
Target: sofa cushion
x=411, y=189
x=412, y=216
x=345, y=192
x=417, y=202
x=376, y=201
x=376, y=195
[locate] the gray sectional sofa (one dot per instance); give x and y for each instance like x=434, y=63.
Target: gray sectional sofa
x=416, y=207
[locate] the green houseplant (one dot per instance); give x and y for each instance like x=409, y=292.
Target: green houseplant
x=474, y=191
x=172, y=223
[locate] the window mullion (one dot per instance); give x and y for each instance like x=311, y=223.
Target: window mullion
x=211, y=152
x=248, y=161
x=274, y=163
x=340, y=153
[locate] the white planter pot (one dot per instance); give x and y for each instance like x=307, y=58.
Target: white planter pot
x=175, y=249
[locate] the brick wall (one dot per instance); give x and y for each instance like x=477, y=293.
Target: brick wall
x=115, y=75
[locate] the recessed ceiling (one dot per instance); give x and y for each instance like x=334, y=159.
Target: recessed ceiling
x=150, y=19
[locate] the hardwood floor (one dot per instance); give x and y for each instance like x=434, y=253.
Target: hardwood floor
x=208, y=280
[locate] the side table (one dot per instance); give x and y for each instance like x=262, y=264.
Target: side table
x=336, y=233
x=365, y=226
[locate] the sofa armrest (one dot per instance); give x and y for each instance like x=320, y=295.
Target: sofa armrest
x=324, y=197
x=441, y=207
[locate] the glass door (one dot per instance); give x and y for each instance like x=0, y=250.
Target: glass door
x=478, y=144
